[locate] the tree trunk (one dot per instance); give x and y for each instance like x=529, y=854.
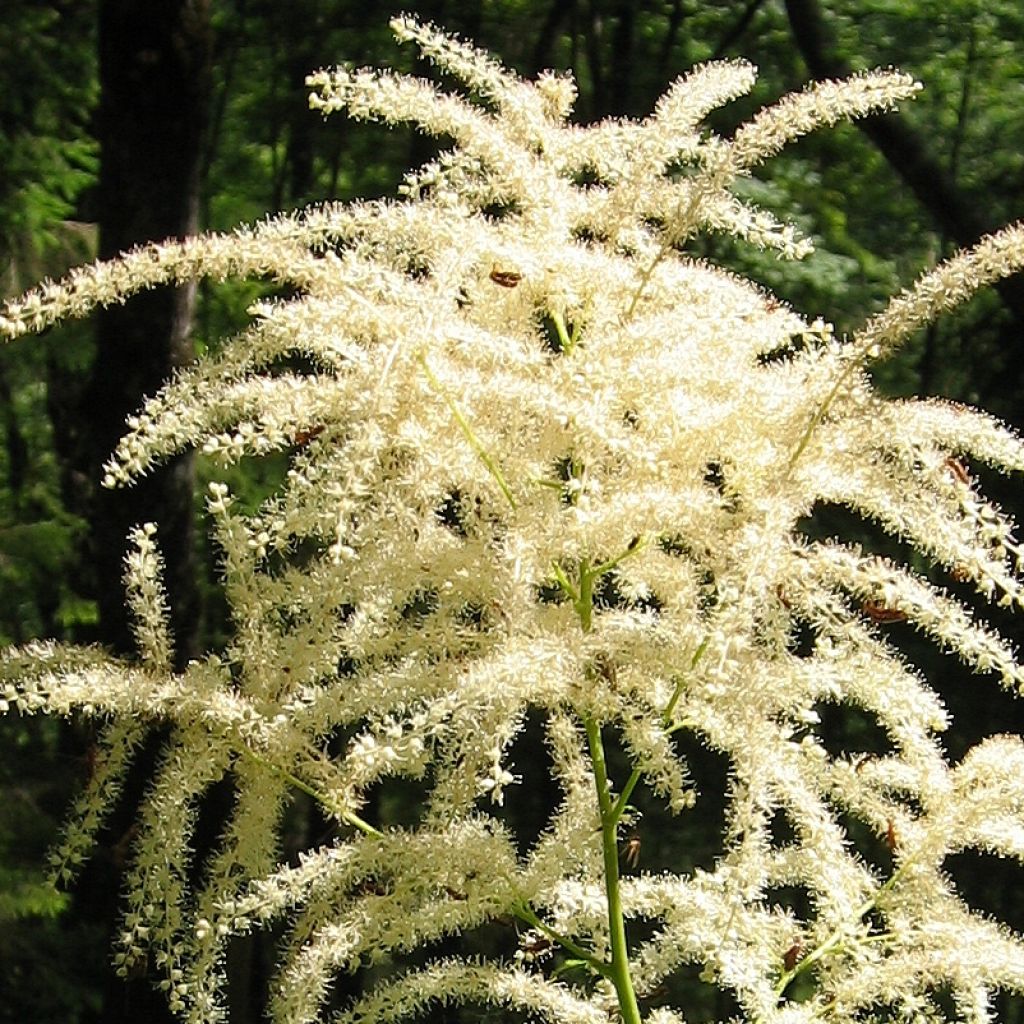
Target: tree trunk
x=154, y=86
x=154, y=82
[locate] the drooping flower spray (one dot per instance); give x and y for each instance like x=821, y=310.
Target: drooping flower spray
x=541, y=462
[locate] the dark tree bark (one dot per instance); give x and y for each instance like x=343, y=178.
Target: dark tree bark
x=622, y=76
x=154, y=85
x=154, y=82
x=958, y=214
x=557, y=13
x=594, y=42
x=668, y=42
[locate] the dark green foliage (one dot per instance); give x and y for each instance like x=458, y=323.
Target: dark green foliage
x=47, y=153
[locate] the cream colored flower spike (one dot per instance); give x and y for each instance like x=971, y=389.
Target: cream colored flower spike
x=544, y=468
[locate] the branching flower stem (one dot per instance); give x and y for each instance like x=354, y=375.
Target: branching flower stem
x=834, y=942
x=617, y=971
x=582, y=597
x=668, y=240
x=567, y=338
x=347, y=816
x=855, y=361
x=528, y=915
x=583, y=601
x=474, y=442
x=622, y=801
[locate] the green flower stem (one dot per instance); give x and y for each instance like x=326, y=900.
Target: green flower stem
x=855, y=357
x=582, y=596
x=565, y=585
x=619, y=807
x=668, y=240
x=819, y=415
x=612, y=810
x=645, y=277
x=467, y=431
x=834, y=944
x=670, y=707
x=635, y=545
x=349, y=817
x=622, y=802
x=566, y=339
x=585, y=601
x=527, y=915
x=618, y=969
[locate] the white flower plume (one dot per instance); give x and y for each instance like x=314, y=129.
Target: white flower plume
x=543, y=463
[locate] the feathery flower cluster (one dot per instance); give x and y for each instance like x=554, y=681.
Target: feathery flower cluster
x=542, y=462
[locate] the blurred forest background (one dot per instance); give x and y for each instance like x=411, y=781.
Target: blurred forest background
x=123, y=121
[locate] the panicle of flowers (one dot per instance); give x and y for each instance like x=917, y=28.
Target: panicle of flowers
x=147, y=599
x=944, y=288
x=542, y=465
x=110, y=764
